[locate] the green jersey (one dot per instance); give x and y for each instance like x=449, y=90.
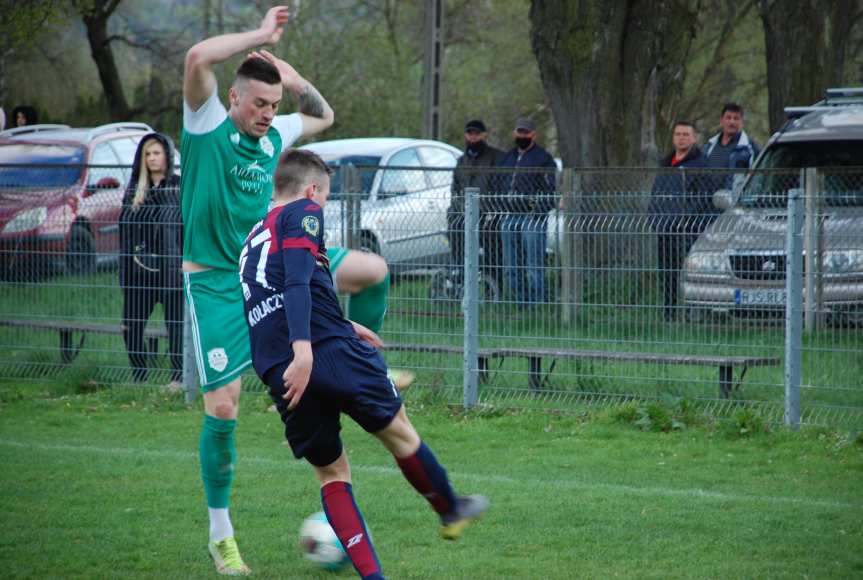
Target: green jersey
x=226, y=181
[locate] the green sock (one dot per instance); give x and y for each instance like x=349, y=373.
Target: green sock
x=369, y=306
x=218, y=454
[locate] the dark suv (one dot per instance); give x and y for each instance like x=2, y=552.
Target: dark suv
x=61, y=191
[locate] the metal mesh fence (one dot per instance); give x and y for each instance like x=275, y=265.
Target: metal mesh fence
x=603, y=287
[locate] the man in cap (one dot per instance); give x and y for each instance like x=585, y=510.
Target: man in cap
x=527, y=182
x=474, y=169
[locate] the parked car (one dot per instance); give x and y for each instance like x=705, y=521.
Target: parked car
x=403, y=193
x=737, y=265
x=61, y=191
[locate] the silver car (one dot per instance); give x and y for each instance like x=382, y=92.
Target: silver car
x=401, y=197
x=737, y=265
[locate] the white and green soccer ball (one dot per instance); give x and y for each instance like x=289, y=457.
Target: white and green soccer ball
x=319, y=543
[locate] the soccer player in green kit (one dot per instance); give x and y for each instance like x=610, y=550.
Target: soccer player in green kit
x=229, y=157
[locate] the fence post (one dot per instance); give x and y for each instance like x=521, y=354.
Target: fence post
x=570, y=264
x=351, y=192
x=812, y=242
x=794, y=306
x=190, y=385
x=470, y=302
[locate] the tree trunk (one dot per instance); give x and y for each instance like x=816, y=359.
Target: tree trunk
x=608, y=68
x=806, y=44
x=95, y=18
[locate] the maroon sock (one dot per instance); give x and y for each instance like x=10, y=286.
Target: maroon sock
x=344, y=516
x=427, y=476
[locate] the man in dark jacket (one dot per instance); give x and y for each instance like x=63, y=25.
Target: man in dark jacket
x=680, y=209
x=474, y=169
x=151, y=250
x=526, y=182
x=732, y=148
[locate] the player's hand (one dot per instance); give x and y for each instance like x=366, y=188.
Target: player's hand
x=273, y=23
x=290, y=77
x=367, y=335
x=296, y=376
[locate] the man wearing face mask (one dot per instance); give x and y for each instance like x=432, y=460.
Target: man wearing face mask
x=474, y=169
x=527, y=182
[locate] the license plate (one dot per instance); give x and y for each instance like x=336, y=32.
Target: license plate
x=759, y=297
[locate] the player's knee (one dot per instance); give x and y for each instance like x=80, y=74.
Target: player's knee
x=378, y=269
x=224, y=410
x=338, y=470
x=400, y=437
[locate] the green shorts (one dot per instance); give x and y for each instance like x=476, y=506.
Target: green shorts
x=219, y=328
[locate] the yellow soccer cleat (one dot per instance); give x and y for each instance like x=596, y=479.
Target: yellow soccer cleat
x=226, y=556
x=468, y=508
x=402, y=379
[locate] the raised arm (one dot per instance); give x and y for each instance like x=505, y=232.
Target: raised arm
x=199, y=81
x=316, y=113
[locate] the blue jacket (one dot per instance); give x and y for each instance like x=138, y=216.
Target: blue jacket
x=741, y=157
x=522, y=190
x=681, y=198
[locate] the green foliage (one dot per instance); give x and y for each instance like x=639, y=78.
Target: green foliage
x=670, y=413
x=746, y=423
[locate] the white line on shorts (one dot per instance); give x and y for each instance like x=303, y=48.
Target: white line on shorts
x=564, y=484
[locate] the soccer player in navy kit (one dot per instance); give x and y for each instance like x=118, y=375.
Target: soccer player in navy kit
x=317, y=364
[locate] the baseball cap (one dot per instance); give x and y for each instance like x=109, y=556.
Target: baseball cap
x=475, y=125
x=525, y=124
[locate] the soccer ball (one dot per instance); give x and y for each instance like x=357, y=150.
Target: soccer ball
x=319, y=543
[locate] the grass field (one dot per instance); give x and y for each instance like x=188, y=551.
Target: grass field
x=105, y=485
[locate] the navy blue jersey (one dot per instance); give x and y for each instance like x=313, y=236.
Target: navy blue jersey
x=288, y=290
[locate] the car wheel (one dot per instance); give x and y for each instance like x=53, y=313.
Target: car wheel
x=848, y=318
x=81, y=251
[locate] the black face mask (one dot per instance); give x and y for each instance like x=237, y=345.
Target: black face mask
x=523, y=142
x=474, y=147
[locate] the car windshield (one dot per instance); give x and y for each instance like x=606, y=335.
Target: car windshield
x=40, y=166
x=365, y=164
x=842, y=185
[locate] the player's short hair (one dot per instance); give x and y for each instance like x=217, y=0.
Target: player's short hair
x=296, y=169
x=684, y=124
x=258, y=69
x=733, y=107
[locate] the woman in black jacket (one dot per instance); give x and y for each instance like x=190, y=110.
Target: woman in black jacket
x=151, y=249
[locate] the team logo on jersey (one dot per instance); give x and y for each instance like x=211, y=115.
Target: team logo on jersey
x=266, y=145
x=235, y=138
x=218, y=359
x=311, y=225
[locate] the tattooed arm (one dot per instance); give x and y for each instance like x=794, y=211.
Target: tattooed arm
x=316, y=113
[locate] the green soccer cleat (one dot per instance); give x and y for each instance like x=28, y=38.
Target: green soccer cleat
x=468, y=508
x=226, y=556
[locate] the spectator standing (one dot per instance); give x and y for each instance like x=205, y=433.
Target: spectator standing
x=527, y=180
x=151, y=250
x=474, y=169
x=731, y=148
x=23, y=115
x=679, y=209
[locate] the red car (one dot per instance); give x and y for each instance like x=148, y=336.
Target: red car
x=61, y=191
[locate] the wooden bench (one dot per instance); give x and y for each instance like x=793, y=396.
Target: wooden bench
x=725, y=364
x=67, y=329
x=536, y=380
x=534, y=356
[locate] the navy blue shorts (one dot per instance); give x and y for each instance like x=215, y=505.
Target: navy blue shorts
x=348, y=376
